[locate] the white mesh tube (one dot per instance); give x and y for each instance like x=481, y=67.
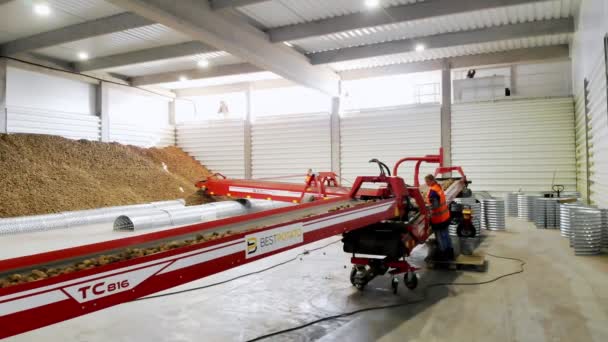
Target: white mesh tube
x=195, y=214
x=28, y=224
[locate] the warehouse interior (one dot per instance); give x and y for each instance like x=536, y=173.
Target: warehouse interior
x=256, y=170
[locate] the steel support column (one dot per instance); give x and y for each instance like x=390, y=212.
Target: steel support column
x=335, y=135
x=446, y=113
x=3, y=86
x=103, y=109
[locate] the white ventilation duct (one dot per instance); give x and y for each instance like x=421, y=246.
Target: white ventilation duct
x=191, y=215
x=68, y=219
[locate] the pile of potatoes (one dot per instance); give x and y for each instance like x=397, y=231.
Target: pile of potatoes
x=447, y=183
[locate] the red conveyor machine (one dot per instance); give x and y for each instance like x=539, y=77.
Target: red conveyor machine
x=388, y=221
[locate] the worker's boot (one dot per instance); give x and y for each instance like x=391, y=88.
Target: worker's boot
x=449, y=254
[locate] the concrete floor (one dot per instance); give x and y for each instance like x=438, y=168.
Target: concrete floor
x=559, y=297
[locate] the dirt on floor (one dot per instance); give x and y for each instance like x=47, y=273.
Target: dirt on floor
x=42, y=174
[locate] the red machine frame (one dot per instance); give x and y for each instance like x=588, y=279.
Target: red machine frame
x=36, y=304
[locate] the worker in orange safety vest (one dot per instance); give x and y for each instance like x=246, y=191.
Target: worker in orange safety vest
x=440, y=217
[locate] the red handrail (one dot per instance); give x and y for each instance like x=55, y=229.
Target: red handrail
x=431, y=158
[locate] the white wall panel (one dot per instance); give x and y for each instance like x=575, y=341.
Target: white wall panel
x=516, y=144
x=290, y=144
x=389, y=135
x=39, y=103
x=543, y=79
x=67, y=125
x=598, y=134
x=139, y=118
x=217, y=144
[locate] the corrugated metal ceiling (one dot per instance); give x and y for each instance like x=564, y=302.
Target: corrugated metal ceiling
x=126, y=41
x=452, y=23
x=17, y=18
x=276, y=13
x=463, y=50
x=175, y=64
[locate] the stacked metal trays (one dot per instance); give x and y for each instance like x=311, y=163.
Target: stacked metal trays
x=493, y=214
x=573, y=209
x=511, y=201
x=605, y=228
x=525, y=206
x=522, y=206
x=587, y=231
x=564, y=218
x=546, y=212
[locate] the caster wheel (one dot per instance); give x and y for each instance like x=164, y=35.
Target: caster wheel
x=395, y=284
x=411, y=280
x=355, y=278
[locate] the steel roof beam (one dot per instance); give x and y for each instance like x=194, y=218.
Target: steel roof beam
x=385, y=16
x=112, y=24
x=555, y=52
x=221, y=4
x=229, y=32
x=143, y=56
x=195, y=74
x=490, y=34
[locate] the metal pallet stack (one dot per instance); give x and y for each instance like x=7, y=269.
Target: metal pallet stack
x=525, y=206
x=587, y=231
x=565, y=224
x=546, y=212
x=511, y=201
x=493, y=214
x=605, y=229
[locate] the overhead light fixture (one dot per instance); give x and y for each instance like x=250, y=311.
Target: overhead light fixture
x=83, y=56
x=372, y=3
x=183, y=78
x=203, y=63
x=420, y=47
x=288, y=44
x=42, y=9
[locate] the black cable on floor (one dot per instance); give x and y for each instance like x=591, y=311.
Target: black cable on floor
x=397, y=305
x=240, y=276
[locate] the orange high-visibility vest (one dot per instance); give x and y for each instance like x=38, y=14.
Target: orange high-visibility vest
x=441, y=214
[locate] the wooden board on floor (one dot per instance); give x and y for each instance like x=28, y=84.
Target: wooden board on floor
x=475, y=262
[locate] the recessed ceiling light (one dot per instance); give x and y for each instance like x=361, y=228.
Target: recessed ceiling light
x=203, y=63
x=42, y=9
x=372, y=3
x=288, y=44
x=183, y=78
x=420, y=47
x=83, y=56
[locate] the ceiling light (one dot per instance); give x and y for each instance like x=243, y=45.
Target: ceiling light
x=83, y=56
x=288, y=44
x=183, y=78
x=420, y=47
x=372, y=3
x=203, y=63
x=42, y=9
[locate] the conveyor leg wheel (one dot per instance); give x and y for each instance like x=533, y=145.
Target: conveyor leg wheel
x=395, y=284
x=358, y=277
x=411, y=280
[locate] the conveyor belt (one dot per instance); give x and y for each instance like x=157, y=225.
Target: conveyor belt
x=93, y=236
x=190, y=253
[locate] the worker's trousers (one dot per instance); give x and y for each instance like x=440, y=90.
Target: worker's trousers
x=443, y=236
